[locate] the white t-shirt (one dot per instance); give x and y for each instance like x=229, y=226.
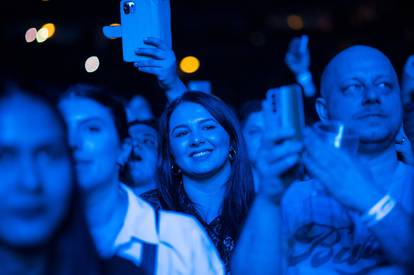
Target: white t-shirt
x=183, y=245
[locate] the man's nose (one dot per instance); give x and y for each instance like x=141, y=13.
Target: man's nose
x=371, y=96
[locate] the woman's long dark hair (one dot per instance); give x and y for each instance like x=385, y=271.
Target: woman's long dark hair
x=239, y=192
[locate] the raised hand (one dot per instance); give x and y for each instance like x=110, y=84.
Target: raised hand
x=159, y=60
x=404, y=147
x=342, y=176
x=278, y=152
x=298, y=60
x=298, y=57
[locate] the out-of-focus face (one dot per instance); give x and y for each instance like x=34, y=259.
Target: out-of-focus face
x=139, y=108
x=252, y=132
x=94, y=139
x=199, y=144
x=363, y=91
x=142, y=164
x=35, y=172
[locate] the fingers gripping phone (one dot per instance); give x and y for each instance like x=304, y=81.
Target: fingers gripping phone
x=141, y=19
x=287, y=102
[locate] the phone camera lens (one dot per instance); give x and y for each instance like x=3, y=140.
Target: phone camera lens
x=129, y=7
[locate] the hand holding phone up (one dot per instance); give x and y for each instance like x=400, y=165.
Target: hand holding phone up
x=281, y=146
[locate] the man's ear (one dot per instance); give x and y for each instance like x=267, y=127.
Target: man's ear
x=322, y=108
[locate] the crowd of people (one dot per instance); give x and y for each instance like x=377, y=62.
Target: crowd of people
x=92, y=184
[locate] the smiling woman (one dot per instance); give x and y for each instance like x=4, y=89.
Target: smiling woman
x=205, y=170
x=120, y=222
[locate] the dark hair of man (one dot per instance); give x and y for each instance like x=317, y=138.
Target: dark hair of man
x=239, y=192
x=105, y=98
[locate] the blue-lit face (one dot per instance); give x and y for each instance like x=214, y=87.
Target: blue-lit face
x=94, y=139
x=35, y=172
x=143, y=161
x=199, y=144
x=364, y=92
x=252, y=132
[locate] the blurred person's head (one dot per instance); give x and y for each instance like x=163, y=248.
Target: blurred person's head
x=360, y=88
x=201, y=138
x=42, y=229
x=138, y=108
x=35, y=169
x=141, y=167
x=97, y=128
x=251, y=119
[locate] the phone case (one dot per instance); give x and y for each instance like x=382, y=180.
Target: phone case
x=140, y=19
x=288, y=102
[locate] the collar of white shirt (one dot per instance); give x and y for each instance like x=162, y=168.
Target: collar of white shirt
x=139, y=222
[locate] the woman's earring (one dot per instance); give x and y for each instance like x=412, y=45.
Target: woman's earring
x=232, y=154
x=175, y=170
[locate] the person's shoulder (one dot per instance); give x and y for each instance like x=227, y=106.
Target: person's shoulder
x=182, y=229
x=185, y=235
x=153, y=197
x=179, y=221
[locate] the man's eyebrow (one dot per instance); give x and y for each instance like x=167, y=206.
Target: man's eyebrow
x=388, y=76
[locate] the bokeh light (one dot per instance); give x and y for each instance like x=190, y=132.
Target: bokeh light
x=92, y=64
x=189, y=64
x=42, y=35
x=295, y=22
x=50, y=29
x=30, y=35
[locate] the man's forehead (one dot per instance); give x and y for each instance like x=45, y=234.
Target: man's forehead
x=357, y=61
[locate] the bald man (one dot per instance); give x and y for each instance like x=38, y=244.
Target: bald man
x=354, y=215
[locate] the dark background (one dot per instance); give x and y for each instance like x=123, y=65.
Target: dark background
x=241, y=44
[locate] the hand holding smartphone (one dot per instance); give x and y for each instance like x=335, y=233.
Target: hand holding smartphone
x=284, y=124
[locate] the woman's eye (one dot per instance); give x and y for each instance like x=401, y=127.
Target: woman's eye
x=180, y=133
x=209, y=127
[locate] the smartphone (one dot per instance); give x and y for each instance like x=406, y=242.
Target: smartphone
x=287, y=102
x=140, y=19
